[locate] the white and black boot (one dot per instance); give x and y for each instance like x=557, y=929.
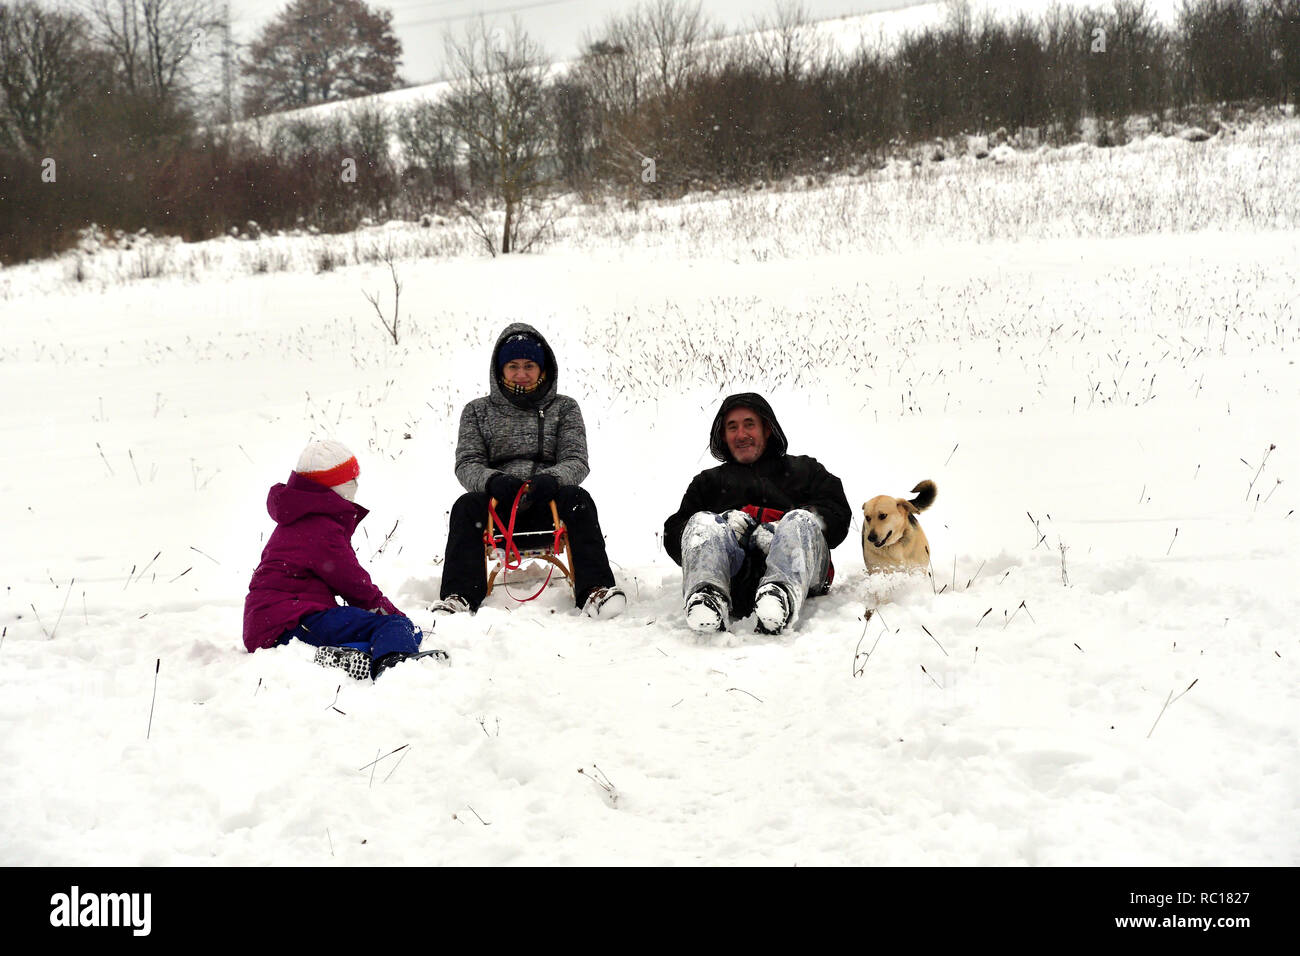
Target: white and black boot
x=451, y=604
x=707, y=609
x=774, y=608
x=605, y=603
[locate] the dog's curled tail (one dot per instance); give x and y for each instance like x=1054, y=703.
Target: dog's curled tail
x=925, y=492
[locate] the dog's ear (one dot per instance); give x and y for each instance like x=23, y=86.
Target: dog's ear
x=908, y=511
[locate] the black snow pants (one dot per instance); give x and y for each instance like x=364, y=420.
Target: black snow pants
x=464, y=569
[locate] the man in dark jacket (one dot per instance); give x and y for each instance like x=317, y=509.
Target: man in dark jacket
x=524, y=435
x=755, y=532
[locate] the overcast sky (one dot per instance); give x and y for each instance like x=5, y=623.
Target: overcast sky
x=557, y=24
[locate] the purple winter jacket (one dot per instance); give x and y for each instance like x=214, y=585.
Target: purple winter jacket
x=308, y=560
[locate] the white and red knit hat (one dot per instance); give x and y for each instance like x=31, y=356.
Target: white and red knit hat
x=328, y=463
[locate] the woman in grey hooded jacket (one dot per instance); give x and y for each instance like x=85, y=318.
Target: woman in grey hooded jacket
x=524, y=433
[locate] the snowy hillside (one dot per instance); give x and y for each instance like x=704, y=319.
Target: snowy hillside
x=1092, y=353
x=844, y=35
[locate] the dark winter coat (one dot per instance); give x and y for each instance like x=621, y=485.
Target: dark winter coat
x=776, y=480
x=522, y=435
x=308, y=560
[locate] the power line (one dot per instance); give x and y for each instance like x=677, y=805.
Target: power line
x=414, y=4
x=486, y=13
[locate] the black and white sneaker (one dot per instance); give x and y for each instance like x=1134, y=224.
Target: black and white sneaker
x=707, y=609
x=605, y=603
x=382, y=664
x=354, y=663
x=451, y=604
x=773, y=606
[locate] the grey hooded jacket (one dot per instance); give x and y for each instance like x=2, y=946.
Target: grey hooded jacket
x=521, y=435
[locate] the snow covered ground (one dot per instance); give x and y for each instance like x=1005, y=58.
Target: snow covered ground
x=1114, y=526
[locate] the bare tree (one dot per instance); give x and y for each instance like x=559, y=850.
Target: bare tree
x=960, y=18
x=42, y=69
x=651, y=50
x=428, y=147
x=1065, y=49
x=497, y=106
x=613, y=78
x=615, y=66
x=786, y=44
x=1131, y=75
x=1284, y=19
x=153, y=41
x=389, y=327
x=673, y=31
x=575, y=130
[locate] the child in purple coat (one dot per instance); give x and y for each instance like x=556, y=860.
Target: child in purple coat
x=309, y=560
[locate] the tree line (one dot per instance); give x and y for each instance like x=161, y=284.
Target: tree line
x=100, y=117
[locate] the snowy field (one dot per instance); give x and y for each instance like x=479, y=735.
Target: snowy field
x=1101, y=669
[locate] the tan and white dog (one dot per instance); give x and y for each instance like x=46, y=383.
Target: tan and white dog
x=892, y=539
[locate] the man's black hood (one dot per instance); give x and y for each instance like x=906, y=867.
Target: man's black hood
x=776, y=443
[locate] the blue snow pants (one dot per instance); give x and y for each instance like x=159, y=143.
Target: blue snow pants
x=376, y=634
